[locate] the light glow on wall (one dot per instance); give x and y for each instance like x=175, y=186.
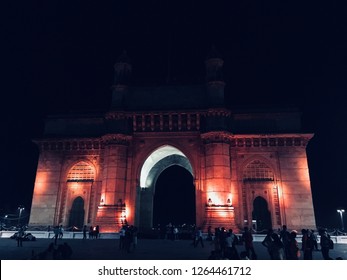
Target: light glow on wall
x=126, y=215
x=41, y=183
x=216, y=198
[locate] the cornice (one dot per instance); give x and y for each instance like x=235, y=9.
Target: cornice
x=67, y=144
x=217, y=137
x=254, y=140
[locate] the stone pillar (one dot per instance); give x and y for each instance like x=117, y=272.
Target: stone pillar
x=219, y=209
x=47, y=183
x=112, y=209
x=146, y=206
x=295, y=185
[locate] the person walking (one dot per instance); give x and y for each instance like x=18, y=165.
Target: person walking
x=268, y=243
x=56, y=234
x=230, y=251
x=198, y=238
x=61, y=232
x=247, y=238
x=277, y=247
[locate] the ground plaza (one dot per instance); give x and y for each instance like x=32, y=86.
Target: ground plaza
x=107, y=248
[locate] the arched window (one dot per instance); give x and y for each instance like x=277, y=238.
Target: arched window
x=81, y=172
x=257, y=171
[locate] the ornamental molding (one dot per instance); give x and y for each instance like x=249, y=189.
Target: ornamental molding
x=167, y=121
x=275, y=140
x=83, y=144
x=117, y=139
x=246, y=141
x=216, y=137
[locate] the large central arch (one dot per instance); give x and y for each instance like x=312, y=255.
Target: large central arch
x=159, y=160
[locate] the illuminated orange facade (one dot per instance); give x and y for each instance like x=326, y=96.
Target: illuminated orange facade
x=249, y=168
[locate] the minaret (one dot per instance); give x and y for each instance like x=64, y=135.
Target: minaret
x=214, y=78
x=122, y=75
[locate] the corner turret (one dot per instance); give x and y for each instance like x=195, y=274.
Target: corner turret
x=122, y=77
x=214, y=78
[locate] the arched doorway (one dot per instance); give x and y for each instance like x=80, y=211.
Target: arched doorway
x=77, y=213
x=156, y=164
x=261, y=214
x=174, y=198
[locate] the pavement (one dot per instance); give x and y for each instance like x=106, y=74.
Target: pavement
x=147, y=249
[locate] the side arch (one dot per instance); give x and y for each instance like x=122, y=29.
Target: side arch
x=78, y=181
x=258, y=179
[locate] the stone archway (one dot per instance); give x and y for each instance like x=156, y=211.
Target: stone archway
x=158, y=161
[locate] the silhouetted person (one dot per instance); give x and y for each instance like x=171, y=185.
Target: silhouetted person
x=230, y=250
x=56, y=234
x=277, y=247
x=122, y=237
x=247, y=238
x=268, y=243
x=20, y=236
x=198, y=238
x=91, y=232
x=97, y=232
x=61, y=232
x=209, y=233
x=285, y=237
x=314, y=239
x=324, y=243
x=84, y=232
x=294, y=251
x=306, y=244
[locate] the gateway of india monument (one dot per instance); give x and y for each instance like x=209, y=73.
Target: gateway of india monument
x=248, y=166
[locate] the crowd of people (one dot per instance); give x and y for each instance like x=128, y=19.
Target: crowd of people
x=283, y=245
x=280, y=244
x=128, y=238
x=225, y=241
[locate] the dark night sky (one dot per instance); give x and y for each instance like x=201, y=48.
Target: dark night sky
x=58, y=57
